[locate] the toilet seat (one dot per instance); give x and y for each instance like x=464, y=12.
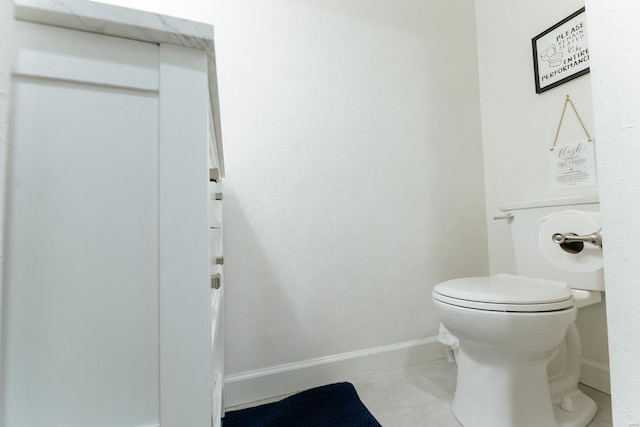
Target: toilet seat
x=505, y=292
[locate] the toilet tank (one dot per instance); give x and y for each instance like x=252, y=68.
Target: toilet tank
x=524, y=235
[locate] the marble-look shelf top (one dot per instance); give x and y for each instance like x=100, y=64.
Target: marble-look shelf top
x=116, y=21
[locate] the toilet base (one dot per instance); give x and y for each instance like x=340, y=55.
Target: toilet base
x=579, y=410
x=502, y=395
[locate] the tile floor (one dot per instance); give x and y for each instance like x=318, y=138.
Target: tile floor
x=421, y=395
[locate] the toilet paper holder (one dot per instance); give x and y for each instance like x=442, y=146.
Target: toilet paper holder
x=567, y=238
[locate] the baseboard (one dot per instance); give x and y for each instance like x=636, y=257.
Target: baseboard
x=595, y=375
x=293, y=377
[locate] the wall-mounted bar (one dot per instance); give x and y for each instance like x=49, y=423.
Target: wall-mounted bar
x=566, y=238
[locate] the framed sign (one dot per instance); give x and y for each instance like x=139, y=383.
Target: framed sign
x=561, y=53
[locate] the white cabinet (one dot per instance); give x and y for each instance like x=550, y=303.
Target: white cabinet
x=109, y=315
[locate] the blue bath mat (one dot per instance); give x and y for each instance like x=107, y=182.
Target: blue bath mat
x=333, y=405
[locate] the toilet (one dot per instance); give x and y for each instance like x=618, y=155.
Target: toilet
x=516, y=343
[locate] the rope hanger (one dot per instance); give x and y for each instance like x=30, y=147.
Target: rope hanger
x=569, y=101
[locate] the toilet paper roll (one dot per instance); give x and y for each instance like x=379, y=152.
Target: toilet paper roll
x=577, y=222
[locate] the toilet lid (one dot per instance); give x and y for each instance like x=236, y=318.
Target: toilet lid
x=505, y=292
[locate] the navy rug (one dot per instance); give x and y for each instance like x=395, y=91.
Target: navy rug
x=333, y=405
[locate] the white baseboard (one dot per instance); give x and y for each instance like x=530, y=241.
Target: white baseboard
x=595, y=375
x=293, y=377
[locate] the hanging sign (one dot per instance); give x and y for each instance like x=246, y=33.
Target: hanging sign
x=573, y=165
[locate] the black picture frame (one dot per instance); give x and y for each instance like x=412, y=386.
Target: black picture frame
x=561, y=52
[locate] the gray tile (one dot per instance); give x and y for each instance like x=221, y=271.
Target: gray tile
x=421, y=395
x=603, y=401
x=415, y=396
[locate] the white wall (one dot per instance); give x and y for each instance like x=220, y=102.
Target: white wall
x=518, y=128
x=615, y=45
x=518, y=125
x=354, y=174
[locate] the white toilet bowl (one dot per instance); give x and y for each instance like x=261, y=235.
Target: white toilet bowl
x=508, y=329
x=514, y=337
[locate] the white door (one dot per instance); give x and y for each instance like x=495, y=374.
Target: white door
x=80, y=318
